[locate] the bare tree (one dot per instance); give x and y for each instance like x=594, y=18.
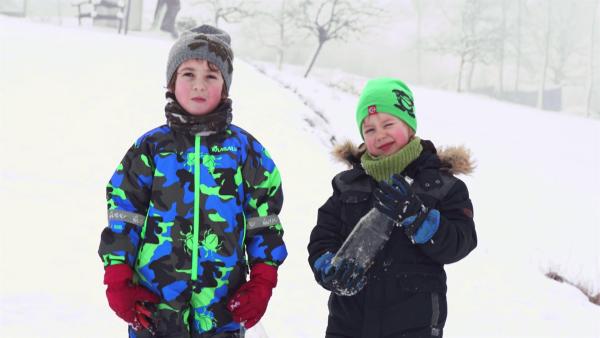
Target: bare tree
x=230, y=11
x=329, y=20
x=560, y=46
x=518, y=43
x=474, y=43
x=546, y=51
x=418, y=5
x=283, y=21
x=568, y=42
x=503, y=34
x=592, y=59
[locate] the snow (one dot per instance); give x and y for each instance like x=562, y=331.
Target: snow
x=73, y=100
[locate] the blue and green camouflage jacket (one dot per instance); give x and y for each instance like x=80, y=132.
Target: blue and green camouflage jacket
x=184, y=210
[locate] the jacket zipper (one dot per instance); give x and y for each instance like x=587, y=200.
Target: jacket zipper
x=196, y=230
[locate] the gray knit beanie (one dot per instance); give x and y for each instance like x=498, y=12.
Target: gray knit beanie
x=204, y=42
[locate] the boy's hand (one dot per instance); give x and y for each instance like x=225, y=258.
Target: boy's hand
x=401, y=204
x=397, y=200
x=344, y=279
x=324, y=268
x=250, y=301
x=127, y=300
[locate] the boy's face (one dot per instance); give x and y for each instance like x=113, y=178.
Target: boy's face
x=198, y=89
x=384, y=134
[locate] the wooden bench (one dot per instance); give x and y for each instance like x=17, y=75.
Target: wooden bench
x=111, y=10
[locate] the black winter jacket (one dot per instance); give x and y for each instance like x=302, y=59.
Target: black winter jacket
x=405, y=295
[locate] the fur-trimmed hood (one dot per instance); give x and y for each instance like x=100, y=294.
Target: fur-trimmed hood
x=456, y=158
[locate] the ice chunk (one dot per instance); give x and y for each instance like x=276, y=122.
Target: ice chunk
x=366, y=239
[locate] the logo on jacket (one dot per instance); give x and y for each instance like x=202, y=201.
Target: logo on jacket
x=217, y=149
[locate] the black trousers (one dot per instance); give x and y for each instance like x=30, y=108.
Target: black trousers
x=418, y=333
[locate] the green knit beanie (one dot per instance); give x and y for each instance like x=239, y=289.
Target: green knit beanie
x=386, y=95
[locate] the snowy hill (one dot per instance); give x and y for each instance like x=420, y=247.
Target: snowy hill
x=74, y=100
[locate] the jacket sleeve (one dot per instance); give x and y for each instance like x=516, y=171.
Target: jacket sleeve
x=262, y=204
x=327, y=234
x=128, y=196
x=456, y=236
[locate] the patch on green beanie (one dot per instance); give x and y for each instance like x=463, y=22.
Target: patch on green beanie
x=386, y=95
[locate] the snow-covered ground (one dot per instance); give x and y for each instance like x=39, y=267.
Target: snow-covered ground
x=72, y=101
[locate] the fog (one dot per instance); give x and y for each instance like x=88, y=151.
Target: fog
x=537, y=52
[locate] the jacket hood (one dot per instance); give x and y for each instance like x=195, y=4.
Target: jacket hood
x=457, y=159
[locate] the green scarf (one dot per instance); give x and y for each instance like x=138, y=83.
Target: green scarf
x=382, y=168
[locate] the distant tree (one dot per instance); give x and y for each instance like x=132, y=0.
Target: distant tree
x=283, y=20
x=568, y=40
x=525, y=42
x=501, y=41
x=473, y=38
x=592, y=60
x=419, y=8
x=518, y=44
x=329, y=20
x=230, y=11
x=546, y=55
x=559, y=40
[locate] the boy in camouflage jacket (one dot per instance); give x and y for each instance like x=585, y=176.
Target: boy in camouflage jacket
x=189, y=200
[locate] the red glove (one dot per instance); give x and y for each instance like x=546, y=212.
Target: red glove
x=126, y=299
x=250, y=301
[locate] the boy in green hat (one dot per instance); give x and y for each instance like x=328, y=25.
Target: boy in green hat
x=395, y=178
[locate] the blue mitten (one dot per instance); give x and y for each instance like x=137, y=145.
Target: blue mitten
x=344, y=278
x=324, y=268
x=400, y=203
